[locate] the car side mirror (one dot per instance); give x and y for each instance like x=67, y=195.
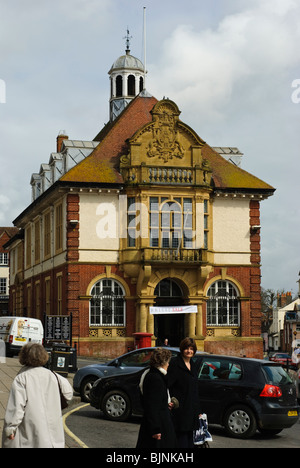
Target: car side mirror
x=116, y=363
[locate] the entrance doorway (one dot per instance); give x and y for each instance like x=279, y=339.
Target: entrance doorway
x=168, y=293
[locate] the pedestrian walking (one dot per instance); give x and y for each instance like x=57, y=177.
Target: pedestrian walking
x=156, y=430
x=183, y=384
x=33, y=416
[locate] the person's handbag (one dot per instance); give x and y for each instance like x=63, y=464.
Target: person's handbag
x=63, y=400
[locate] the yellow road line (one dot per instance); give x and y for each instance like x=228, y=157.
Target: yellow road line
x=67, y=430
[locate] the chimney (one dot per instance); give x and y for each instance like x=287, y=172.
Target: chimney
x=61, y=136
x=284, y=299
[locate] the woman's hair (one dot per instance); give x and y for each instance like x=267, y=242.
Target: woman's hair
x=33, y=355
x=187, y=343
x=160, y=356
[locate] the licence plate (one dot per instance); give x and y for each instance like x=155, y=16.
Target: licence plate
x=293, y=413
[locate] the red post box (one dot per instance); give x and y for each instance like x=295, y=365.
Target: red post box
x=142, y=340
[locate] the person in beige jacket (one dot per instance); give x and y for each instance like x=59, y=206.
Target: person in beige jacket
x=33, y=416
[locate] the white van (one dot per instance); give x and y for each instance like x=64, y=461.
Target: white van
x=18, y=331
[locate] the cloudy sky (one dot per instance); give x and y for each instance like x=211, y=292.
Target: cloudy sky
x=232, y=66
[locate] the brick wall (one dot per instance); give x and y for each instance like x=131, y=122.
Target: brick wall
x=249, y=343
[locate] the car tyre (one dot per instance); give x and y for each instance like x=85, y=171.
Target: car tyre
x=116, y=405
x=240, y=422
x=86, y=388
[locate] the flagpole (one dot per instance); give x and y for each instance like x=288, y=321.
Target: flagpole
x=144, y=27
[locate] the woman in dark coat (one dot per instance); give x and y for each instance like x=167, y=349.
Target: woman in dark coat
x=183, y=384
x=157, y=430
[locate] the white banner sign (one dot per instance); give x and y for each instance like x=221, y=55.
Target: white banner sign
x=190, y=309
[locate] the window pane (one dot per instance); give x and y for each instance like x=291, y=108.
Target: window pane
x=176, y=239
x=176, y=220
x=154, y=219
x=276, y=375
x=154, y=204
x=165, y=219
x=205, y=206
x=223, y=307
x=154, y=238
x=107, y=306
x=140, y=359
x=187, y=205
x=3, y=286
x=221, y=369
x=165, y=239
x=187, y=240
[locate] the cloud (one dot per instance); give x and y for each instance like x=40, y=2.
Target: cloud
x=207, y=67
x=232, y=82
x=228, y=64
x=5, y=209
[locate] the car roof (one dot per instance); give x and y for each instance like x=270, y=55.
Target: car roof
x=243, y=359
x=199, y=353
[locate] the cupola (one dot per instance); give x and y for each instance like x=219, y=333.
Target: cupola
x=127, y=75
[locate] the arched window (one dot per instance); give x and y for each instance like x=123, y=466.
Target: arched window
x=131, y=85
x=168, y=288
x=119, y=86
x=107, y=305
x=223, y=305
x=141, y=84
x=171, y=223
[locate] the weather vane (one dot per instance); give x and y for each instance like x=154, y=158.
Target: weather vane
x=127, y=37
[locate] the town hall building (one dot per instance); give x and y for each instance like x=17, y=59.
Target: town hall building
x=145, y=229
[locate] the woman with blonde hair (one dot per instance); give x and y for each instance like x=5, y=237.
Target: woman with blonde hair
x=33, y=416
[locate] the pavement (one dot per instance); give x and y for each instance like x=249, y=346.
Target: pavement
x=8, y=371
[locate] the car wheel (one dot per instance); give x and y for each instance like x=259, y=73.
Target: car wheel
x=116, y=405
x=240, y=422
x=86, y=387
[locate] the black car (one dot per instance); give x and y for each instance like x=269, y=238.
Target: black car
x=129, y=362
x=241, y=394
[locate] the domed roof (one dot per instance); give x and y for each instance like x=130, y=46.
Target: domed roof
x=127, y=61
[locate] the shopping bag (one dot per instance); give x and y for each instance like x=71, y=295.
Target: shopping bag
x=202, y=436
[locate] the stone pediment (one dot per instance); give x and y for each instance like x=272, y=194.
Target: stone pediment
x=166, y=140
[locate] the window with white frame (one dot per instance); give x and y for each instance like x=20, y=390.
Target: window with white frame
x=171, y=222
x=223, y=305
x=107, y=305
x=3, y=258
x=3, y=286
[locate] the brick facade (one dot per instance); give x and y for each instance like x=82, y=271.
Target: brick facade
x=146, y=152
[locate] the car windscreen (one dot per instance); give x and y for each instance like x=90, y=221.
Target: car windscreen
x=276, y=375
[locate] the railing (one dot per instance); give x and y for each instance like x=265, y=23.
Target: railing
x=170, y=175
x=173, y=255
x=165, y=175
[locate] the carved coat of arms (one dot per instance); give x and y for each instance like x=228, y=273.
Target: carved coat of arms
x=165, y=144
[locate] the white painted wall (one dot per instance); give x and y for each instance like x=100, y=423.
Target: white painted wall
x=231, y=231
x=99, y=227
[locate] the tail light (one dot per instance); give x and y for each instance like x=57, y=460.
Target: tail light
x=271, y=391
x=10, y=339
